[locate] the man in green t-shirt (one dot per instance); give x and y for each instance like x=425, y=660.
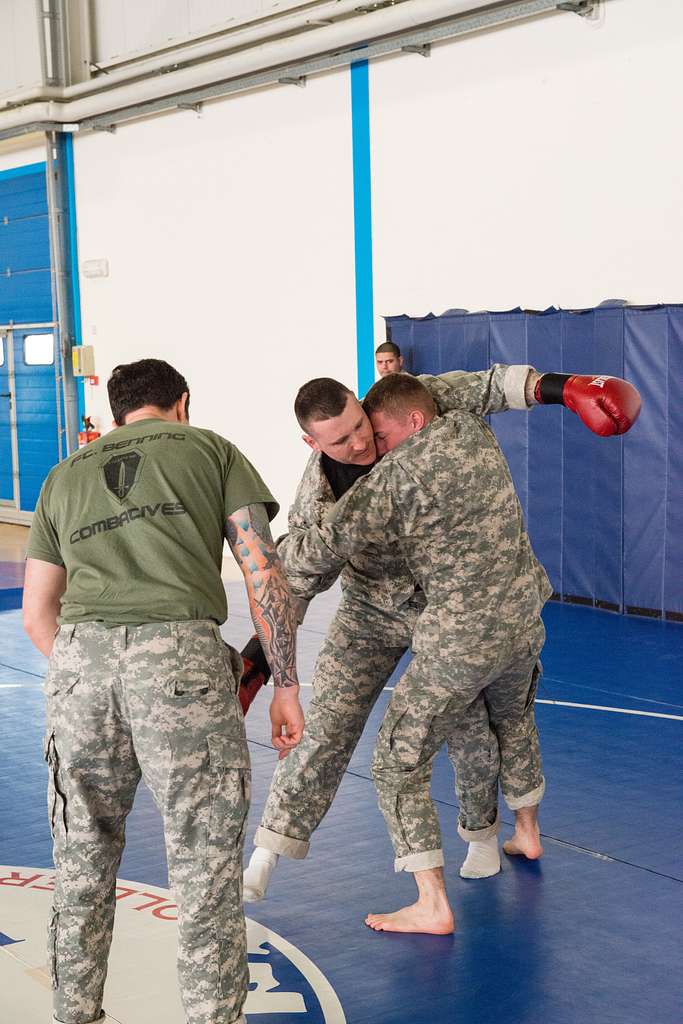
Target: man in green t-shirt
x=123, y=593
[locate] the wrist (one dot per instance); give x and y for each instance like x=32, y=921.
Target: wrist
x=549, y=388
x=532, y=380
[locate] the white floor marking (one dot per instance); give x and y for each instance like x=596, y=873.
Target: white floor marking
x=141, y=984
x=587, y=707
x=619, y=711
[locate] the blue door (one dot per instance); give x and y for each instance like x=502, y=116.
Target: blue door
x=31, y=415
x=39, y=410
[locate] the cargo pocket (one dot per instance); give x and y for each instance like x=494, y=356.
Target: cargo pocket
x=52, y=938
x=230, y=773
x=56, y=797
x=405, y=731
x=187, y=690
x=60, y=682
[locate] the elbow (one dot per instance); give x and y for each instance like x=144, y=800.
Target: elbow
x=30, y=622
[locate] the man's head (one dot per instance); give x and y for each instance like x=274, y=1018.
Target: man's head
x=150, y=386
x=398, y=406
x=388, y=359
x=333, y=422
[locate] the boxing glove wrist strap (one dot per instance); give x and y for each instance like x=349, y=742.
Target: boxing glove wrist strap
x=550, y=387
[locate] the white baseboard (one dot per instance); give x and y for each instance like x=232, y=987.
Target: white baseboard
x=13, y=515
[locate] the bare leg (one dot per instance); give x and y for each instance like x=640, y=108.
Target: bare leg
x=430, y=915
x=526, y=841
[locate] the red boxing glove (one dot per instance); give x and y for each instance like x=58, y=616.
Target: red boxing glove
x=607, y=405
x=255, y=674
x=251, y=682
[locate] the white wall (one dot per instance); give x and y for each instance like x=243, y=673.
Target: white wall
x=20, y=152
x=537, y=165
x=229, y=238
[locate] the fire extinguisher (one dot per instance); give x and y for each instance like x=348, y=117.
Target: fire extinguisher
x=88, y=433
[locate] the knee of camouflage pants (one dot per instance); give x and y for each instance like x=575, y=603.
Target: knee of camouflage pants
x=306, y=781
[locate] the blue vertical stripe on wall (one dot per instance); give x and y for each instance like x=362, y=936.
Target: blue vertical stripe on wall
x=73, y=260
x=362, y=220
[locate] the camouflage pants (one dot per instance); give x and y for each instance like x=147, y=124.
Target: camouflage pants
x=427, y=706
x=361, y=650
x=156, y=701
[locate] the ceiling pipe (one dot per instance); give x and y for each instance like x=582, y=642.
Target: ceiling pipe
x=339, y=35
x=232, y=39
x=261, y=65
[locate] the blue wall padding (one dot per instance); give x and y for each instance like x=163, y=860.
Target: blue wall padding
x=605, y=515
x=673, y=554
x=545, y=431
x=645, y=461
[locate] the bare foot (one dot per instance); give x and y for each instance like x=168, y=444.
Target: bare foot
x=526, y=840
x=525, y=843
x=416, y=919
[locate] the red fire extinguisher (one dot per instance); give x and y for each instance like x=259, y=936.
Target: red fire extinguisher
x=88, y=433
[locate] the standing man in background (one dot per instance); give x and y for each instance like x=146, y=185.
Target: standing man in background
x=388, y=359
x=125, y=554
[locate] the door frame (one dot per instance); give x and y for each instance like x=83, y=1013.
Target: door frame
x=10, y=511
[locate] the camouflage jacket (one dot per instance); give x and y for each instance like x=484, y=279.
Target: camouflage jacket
x=444, y=501
x=378, y=574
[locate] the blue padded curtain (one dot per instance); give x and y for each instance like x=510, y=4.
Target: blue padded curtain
x=605, y=515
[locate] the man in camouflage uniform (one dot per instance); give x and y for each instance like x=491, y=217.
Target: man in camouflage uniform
x=444, y=498
x=371, y=631
x=125, y=554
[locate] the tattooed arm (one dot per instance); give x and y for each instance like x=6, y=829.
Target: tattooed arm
x=273, y=614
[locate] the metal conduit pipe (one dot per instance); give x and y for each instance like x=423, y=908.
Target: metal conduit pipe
x=231, y=39
x=340, y=35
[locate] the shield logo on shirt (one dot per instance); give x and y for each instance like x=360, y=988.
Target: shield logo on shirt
x=121, y=473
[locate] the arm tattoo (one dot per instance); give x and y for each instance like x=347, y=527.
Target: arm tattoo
x=270, y=602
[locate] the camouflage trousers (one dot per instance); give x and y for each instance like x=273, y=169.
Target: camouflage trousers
x=159, y=702
x=362, y=648
x=427, y=706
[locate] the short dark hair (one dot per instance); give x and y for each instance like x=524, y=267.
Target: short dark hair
x=146, y=382
x=389, y=346
x=320, y=399
x=398, y=393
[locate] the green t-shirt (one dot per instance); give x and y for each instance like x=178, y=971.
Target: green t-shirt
x=137, y=518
